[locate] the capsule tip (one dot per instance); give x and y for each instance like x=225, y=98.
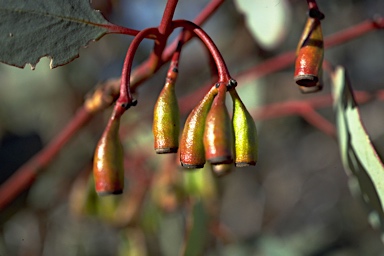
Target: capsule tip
x=166, y=150
x=245, y=164
x=107, y=193
x=192, y=166
x=307, y=80
x=221, y=160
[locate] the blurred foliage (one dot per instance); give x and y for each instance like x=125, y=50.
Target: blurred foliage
x=296, y=200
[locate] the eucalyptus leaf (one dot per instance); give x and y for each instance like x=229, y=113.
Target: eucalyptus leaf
x=267, y=20
x=30, y=30
x=360, y=159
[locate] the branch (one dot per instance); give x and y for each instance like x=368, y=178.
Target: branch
x=25, y=175
x=306, y=109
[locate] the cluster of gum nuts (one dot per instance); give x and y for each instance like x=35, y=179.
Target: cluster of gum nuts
x=209, y=135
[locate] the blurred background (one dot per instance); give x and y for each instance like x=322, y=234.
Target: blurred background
x=296, y=200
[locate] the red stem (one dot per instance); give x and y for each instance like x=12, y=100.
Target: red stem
x=354, y=32
x=314, y=10
x=116, y=29
x=165, y=24
x=306, y=109
x=125, y=92
x=164, y=30
x=173, y=69
x=318, y=121
x=199, y=20
x=222, y=69
x=147, y=68
x=312, y=4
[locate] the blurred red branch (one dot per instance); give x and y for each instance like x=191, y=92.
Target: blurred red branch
x=26, y=174
x=306, y=109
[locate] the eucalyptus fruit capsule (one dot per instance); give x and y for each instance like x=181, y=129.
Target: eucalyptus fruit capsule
x=218, y=134
x=192, y=153
x=318, y=87
x=108, y=169
x=310, y=53
x=245, y=132
x=166, y=121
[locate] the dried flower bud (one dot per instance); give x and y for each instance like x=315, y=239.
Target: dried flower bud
x=108, y=169
x=244, y=128
x=217, y=134
x=192, y=153
x=166, y=121
x=310, y=54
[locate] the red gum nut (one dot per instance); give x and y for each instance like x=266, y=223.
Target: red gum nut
x=108, y=169
x=218, y=135
x=310, y=56
x=166, y=121
x=192, y=153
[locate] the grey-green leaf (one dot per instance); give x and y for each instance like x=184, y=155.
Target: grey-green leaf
x=33, y=29
x=359, y=157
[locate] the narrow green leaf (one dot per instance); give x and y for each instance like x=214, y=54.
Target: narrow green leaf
x=197, y=236
x=30, y=30
x=359, y=157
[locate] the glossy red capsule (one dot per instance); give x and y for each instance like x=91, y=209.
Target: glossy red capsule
x=192, y=153
x=310, y=53
x=218, y=134
x=108, y=169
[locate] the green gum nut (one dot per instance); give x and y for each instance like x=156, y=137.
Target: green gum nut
x=166, y=121
x=192, y=153
x=108, y=168
x=245, y=133
x=218, y=134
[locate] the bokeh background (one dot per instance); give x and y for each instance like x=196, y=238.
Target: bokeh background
x=296, y=200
